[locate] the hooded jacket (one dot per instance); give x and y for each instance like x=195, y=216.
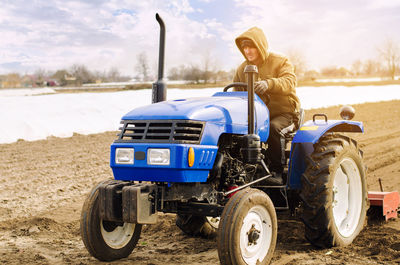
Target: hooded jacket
x=276, y=70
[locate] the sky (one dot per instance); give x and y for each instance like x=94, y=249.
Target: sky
x=105, y=34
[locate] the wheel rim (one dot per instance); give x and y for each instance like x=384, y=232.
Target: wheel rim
x=116, y=236
x=347, y=197
x=213, y=221
x=256, y=235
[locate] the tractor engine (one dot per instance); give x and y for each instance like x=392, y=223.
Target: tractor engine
x=229, y=169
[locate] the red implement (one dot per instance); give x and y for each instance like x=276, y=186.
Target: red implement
x=389, y=201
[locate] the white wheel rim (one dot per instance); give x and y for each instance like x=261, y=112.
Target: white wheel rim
x=257, y=219
x=347, y=197
x=119, y=237
x=213, y=221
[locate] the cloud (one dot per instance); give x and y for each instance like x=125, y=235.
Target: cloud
x=99, y=34
x=327, y=32
x=102, y=34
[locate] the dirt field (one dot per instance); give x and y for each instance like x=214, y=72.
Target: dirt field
x=43, y=185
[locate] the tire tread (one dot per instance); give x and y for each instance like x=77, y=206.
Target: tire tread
x=317, y=187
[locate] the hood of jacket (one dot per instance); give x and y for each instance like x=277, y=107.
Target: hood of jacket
x=256, y=35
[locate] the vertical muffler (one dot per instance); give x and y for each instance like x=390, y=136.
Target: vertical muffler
x=159, y=90
x=251, y=145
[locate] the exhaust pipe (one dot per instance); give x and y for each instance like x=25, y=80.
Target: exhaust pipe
x=250, y=71
x=251, y=148
x=159, y=90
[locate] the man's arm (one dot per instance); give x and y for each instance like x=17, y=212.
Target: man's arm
x=285, y=82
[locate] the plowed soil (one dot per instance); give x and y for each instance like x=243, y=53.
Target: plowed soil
x=43, y=185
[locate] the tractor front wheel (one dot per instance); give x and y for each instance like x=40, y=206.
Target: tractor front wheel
x=106, y=240
x=334, y=192
x=248, y=229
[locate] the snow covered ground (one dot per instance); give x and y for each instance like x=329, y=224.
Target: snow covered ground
x=25, y=114
x=15, y=92
x=359, y=79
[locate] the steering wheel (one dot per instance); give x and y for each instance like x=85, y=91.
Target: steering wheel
x=244, y=85
x=236, y=84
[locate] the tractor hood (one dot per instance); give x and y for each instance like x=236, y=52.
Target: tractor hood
x=224, y=112
x=222, y=107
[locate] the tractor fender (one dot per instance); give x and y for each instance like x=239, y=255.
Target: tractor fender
x=311, y=131
x=304, y=139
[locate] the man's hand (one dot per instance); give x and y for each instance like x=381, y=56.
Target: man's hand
x=261, y=87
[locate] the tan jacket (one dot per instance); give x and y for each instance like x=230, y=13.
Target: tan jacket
x=276, y=70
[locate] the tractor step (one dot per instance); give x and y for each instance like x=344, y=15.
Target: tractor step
x=389, y=201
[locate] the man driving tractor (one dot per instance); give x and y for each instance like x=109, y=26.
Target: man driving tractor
x=275, y=85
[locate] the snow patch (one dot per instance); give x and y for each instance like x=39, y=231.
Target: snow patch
x=28, y=117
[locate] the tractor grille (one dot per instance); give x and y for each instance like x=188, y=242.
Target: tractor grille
x=160, y=131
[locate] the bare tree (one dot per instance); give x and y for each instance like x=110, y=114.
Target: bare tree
x=82, y=74
x=390, y=53
x=40, y=75
x=12, y=80
x=372, y=68
x=221, y=76
x=113, y=75
x=356, y=67
x=142, y=66
x=296, y=57
x=207, y=66
x=192, y=73
x=311, y=75
x=333, y=71
x=174, y=74
x=60, y=76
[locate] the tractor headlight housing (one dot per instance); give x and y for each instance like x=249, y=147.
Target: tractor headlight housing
x=157, y=156
x=124, y=156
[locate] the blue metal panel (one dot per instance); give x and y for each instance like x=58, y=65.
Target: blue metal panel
x=177, y=171
x=306, y=137
x=213, y=131
x=224, y=112
x=311, y=131
x=297, y=164
x=215, y=109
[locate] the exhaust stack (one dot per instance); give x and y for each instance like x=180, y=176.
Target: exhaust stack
x=251, y=148
x=250, y=71
x=159, y=91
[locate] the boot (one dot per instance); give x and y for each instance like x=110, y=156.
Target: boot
x=275, y=179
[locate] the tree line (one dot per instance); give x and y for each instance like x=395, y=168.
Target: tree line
x=76, y=75
x=386, y=64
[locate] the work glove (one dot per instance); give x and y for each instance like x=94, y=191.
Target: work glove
x=261, y=87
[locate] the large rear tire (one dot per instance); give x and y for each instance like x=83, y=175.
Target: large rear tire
x=194, y=225
x=106, y=240
x=248, y=229
x=334, y=192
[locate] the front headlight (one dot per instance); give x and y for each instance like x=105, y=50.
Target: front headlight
x=124, y=156
x=157, y=156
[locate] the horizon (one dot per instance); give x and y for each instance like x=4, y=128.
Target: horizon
x=53, y=35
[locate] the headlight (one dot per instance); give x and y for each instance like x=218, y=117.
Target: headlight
x=124, y=156
x=158, y=157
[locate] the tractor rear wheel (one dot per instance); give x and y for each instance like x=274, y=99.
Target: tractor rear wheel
x=106, y=240
x=195, y=225
x=248, y=229
x=334, y=192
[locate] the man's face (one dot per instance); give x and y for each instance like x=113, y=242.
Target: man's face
x=251, y=53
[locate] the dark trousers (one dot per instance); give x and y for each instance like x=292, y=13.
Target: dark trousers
x=279, y=125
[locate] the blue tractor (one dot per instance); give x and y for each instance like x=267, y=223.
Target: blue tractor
x=204, y=160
